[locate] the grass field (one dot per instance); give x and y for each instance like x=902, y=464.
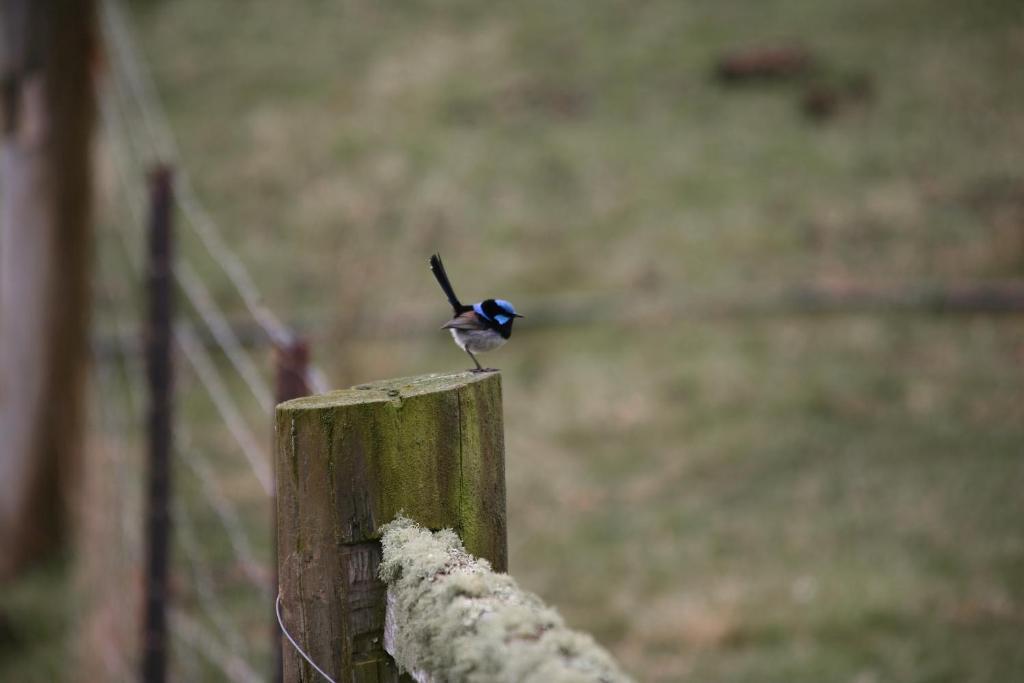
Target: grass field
x=715, y=496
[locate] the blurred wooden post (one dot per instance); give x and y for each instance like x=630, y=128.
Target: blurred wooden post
x=48, y=58
x=159, y=370
x=347, y=462
x=291, y=363
x=291, y=370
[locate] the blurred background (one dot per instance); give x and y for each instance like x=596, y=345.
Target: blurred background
x=765, y=416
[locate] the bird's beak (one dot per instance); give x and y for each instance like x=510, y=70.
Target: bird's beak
x=516, y=315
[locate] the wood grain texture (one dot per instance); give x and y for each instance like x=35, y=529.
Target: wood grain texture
x=347, y=462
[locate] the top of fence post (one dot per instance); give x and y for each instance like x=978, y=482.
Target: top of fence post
x=348, y=462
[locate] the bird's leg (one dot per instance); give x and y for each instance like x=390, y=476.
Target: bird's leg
x=478, y=367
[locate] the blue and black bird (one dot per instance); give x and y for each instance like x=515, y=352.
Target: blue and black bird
x=484, y=326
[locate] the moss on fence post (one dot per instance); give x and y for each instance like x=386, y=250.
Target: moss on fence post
x=453, y=620
x=349, y=461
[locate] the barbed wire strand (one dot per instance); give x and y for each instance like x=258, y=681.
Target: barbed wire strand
x=208, y=375
x=187, y=662
x=280, y=622
x=126, y=346
x=118, y=463
x=123, y=52
x=195, y=290
x=112, y=119
x=163, y=141
x=113, y=657
x=132, y=378
x=132, y=367
x=165, y=148
x=209, y=601
x=197, y=463
x=205, y=369
x=203, y=641
x=203, y=303
x=211, y=605
x=208, y=598
x=318, y=382
x=121, y=464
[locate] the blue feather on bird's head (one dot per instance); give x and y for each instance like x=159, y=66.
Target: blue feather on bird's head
x=497, y=310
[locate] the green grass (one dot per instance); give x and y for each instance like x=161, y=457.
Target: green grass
x=715, y=497
x=790, y=500
x=564, y=135
x=35, y=615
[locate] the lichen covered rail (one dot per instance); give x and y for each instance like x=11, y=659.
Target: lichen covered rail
x=451, y=618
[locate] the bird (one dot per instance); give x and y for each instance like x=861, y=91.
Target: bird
x=484, y=326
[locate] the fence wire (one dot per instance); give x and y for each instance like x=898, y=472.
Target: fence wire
x=131, y=71
x=220, y=620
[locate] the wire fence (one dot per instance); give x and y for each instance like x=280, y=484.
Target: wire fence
x=221, y=576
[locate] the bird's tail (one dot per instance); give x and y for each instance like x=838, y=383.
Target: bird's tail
x=437, y=268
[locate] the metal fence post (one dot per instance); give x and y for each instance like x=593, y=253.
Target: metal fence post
x=159, y=372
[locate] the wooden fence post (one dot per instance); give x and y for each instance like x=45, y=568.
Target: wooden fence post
x=291, y=368
x=291, y=365
x=349, y=461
